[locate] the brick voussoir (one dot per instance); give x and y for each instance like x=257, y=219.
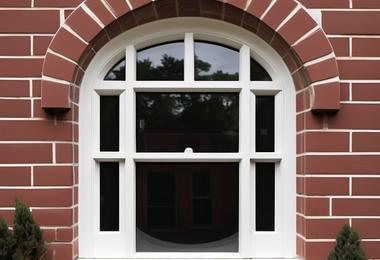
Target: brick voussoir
x=68, y=45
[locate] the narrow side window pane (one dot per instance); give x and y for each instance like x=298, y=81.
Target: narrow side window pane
x=117, y=72
x=264, y=123
x=215, y=62
x=109, y=196
x=161, y=62
x=258, y=73
x=265, y=204
x=109, y=123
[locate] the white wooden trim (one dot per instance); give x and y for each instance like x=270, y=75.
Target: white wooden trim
x=189, y=57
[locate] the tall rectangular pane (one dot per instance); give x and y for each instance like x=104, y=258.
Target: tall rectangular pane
x=109, y=196
x=109, y=123
x=265, y=196
x=265, y=123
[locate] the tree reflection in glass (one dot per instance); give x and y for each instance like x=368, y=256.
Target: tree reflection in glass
x=161, y=62
x=172, y=122
x=215, y=62
x=117, y=72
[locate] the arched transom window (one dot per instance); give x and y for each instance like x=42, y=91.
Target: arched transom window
x=187, y=146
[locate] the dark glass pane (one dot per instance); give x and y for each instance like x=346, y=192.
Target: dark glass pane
x=161, y=217
x=109, y=123
x=179, y=221
x=264, y=123
x=161, y=62
x=201, y=184
x=171, y=122
x=258, y=73
x=161, y=189
x=202, y=212
x=215, y=62
x=117, y=72
x=265, y=207
x=109, y=196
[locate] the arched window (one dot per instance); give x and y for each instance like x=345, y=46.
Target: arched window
x=187, y=145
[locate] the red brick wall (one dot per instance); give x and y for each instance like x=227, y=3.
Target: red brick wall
x=338, y=163
x=36, y=158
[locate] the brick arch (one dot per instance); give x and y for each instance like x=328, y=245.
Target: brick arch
x=284, y=24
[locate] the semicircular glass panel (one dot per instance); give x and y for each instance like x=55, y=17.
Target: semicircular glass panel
x=117, y=72
x=215, y=62
x=258, y=73
x=161, y=62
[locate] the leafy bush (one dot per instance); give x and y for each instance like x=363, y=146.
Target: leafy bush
x=347, y=246
x=6, y=242
x=25, y=242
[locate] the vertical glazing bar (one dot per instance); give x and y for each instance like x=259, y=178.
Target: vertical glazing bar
x=244, y=147
x=130, y=147
x=189, y=57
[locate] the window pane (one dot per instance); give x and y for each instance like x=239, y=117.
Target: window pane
x=171, y=122
x=202, y=212
x=109, y=123
x=179, y=221
x=258, y=73
x=265, y=123
x=265, y=206
x=117, y=72
x=215, y=62
x=161, y=62
x=201, y=184
x=109, y=196
x=161, y=189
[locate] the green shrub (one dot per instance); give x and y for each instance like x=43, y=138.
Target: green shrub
x=27, y=235
x=25, y=242
x=347, y=246
x=6, y=243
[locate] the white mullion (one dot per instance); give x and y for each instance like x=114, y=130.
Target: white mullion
x=189, y=57
x=96, y=121
x=104, y=86
x=109, y=156
x=234, y=86
x=130, y=144
x=244, y=67
x=130, y=64
x=265, y=87
x=279, y=115
x=187, y=157
x=122, y=122
x=266, y=157
x=245, y=224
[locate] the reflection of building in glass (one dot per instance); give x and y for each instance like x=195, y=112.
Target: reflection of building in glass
x=187, y=204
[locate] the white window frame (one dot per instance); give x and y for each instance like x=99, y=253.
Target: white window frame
x=252, y=244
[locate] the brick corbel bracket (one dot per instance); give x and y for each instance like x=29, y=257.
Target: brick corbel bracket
x=284, y=24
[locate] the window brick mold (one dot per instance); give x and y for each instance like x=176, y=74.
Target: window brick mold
x=285, y=25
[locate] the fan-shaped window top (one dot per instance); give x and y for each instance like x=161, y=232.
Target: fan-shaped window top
x=161, y=62
x=215, y=62
x=258, y=73
x=117, y=72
